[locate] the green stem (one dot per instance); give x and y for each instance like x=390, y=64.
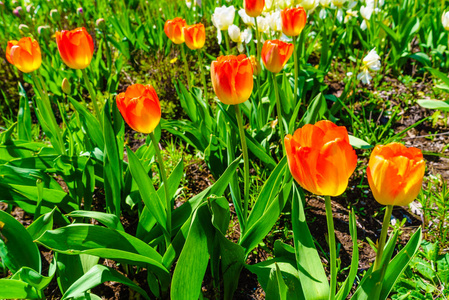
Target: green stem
x=186, y=66
x=278, y=108
x=92, y=96
x=108, y=52
x=203, y=77
x=49, y=113
x=258, y=54
x=245, y=161
x=164, y=181
x=295, y=58
x=228, y=48
x=383, y=237
x=332, y=247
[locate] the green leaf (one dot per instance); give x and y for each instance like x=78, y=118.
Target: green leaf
x=147, y=191
x=347, y=285
x=38, y=281
x=311, y=273
x=358, y=143
x=41, y=224
x=276, y=289
x=16, y=289
x=192, y=263
x=434, y=104
x=106, y=243
x=98, y=275
x=397, y=266
x=315, y=111
x=443, y=268
x=17, y=249
x=72, y=267
x=268, y=207
x=24, y=116
x=109, y=220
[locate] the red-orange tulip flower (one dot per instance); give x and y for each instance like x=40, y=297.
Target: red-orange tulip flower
x=173, y=29
x=232, y=78
x=320, y=158
x=275, y=54
x=25, y=54
x=293, y=20
x=253, y=8
x=395, y=173
x=140, y=107
x=195, y=36
x=76, y=47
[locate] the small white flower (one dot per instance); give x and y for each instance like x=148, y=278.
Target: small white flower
x=366, y=12
x=350, y=14
x=445, y=20
x=370, y=62
x=340, y=15
x=323, y=13
x=349, y=74
x=195, y=3
x=363, y=26
x=222, y=18
x=365, y=76
x=247, y=20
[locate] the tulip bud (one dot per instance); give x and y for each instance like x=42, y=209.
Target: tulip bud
x=55, y=16
x=17, y=11
x=101, y=24
x=43, y=31
x=257, y=68
x=14, y=2
x=24, y=29
x=65, y=86
x=30, y=8
x=79, y=11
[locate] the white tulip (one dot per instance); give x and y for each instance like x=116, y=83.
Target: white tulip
x=239, y=37
x=325, y=3
x=247, y=20
x=274, y=21
x=365, y=76
x=445, y=20
x=222, y=18
x=309, y=5
x=262, y=24
x=338, y=3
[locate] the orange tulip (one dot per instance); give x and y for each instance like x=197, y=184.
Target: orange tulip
x=76, y=47
x=293, y=20
x=195, y=36
x=275, y=54
x=232, y=78
x=395, y=173
x=25, y=54
x=173, y=29
x=320, y=158
x=140, y=107
x=253, y=8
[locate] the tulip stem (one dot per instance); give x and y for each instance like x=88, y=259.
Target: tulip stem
x=278, y=108
x=228, y=48
x=258, y=54
x=49, y=113
x=164, y=181
x=332, y=247
x=92, y=96
x=295, y=58
x=203, y=77
x=383, y=237
x=186, y=66
x=245, y=161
